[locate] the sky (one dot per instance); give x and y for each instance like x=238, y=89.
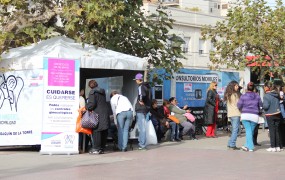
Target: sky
x=272, y=2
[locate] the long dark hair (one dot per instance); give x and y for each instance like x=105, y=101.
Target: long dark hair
x=230, y=90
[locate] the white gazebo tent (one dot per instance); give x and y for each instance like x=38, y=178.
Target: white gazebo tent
x=30, y=57
x=26, y=64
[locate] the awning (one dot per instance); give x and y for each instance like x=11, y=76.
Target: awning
x=266, y=63
x=30, y=57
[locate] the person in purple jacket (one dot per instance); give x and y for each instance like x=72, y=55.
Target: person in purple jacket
x=249, y=104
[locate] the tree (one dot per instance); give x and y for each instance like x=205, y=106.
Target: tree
x=119, y=25
x=252, y=28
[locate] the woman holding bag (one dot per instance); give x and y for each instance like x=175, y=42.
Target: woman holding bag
x=170, y=124
x=188, y=127
x=97, y=103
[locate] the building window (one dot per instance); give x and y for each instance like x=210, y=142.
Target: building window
x=185, y=46
x=168, y=0
x=201, y=46
x=224, y=6
x=212, y=47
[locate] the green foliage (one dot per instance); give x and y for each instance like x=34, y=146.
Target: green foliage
x=251, y=28
x=118, y=25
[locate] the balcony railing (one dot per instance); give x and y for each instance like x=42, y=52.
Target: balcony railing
x=170, y=2
x=165, y=2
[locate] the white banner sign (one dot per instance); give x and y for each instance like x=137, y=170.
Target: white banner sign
x=21, y=107
x=61, y=102
x=196, y=78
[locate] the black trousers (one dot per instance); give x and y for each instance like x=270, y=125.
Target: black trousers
x=99, y=139
x=282, y=133
x=87, y=140
x=255, y=134
x=273, y=126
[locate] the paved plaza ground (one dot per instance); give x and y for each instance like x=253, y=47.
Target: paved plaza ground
x=207, y=158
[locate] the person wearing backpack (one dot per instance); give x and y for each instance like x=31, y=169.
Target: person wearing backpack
x=142, y=108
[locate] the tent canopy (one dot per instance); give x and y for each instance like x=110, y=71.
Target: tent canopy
x=30, y=57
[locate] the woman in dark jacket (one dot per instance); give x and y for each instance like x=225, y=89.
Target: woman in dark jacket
x=272, y=110
x=97, y=103
x=211, y=109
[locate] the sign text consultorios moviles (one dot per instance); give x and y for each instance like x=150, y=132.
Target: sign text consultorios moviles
x=196, y=78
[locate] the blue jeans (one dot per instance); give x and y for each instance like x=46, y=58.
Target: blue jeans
x=141, y=120
x=235, y=121
x=249, y=129
x=174, y=130
x=124, y=119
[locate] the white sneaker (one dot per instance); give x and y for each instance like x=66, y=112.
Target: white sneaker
x=271, y=149
x=278, y=149
x=250, y=150
x=244, y=148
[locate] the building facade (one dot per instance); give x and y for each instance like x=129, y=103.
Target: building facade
x=190, y=16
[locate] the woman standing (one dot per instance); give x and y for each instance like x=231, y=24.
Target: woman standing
x=249, y=104
x=232, y=96
x=82, y=103
x=211, y=109
x=97, y=103
x=271, y=107
x=81, y=99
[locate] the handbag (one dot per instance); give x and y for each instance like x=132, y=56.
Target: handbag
x=173, y=118
x=150, y=134
x=90, y=119
x=190, y=117
x=79, y=128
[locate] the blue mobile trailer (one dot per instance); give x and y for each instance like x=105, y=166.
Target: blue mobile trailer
x=190, y=85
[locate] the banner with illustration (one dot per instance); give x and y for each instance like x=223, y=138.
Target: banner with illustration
x=60, y=105
x=21, y=107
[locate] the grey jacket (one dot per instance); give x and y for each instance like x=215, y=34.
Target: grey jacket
x=178, y=113
x=271, y=103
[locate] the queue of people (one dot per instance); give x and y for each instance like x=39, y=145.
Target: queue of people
x=241, y=108
x=123, y=112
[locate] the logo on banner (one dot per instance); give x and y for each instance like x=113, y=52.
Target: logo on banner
x=10, y=89
x=69, y=139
